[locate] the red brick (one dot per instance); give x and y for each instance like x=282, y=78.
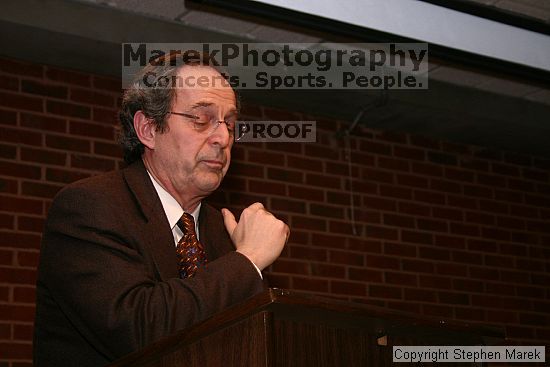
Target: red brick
x=513, y=332
x=491, y=180
x=342, y=169
x=399, y=220
x=278, y=281
x=427, y=169
x=373, y=231
x=114, y=150
x=400, y=249
x=12, y=350
x=367, y=246
x=478, y=191
x=365, y=275
x=518, y=277
x=326, y=211
x=416, y=237
x=323, y=181
x=480, y=218
x=27, y=258
x=414, y=209
x=285, y=205
x=43, y=123
x=8, y=186
x=39, y=189
x=280, y=174
x=20, y=205
x=21, y=68
x=264, y=157
x=458, y=175
x=306, y=193
x=64, y=176
x=107, y=84
x=289, y=266
x=24, y=295
x=433, y=253
x=288, y=147
x=233, y=183
x=449, y=242
x=402, y=279
x=382, y=262
x=239, y=198
x=373, y=174
x=92, y=130
x=482, y=245
x=66, y=143
x=22, y=332
x=393, y=164
x=9, y=83
x=395, y=192
x=385, y=292
x=502, y=289
x=8, y=117
x=69, y=77
x=6, y=258
x=424, y=142
x=309, y=284
x=419, y=295
x=308, y=253
x=347, y=258
x=437, y=311
x=445, y=186
x=418, y=266
x=309, y=223
x=8, y=151
x=373, y=202
x=316, y=150
x=464, y=229
x=430, y=281
x=409, y=153
x=467, y=285
x=92, y=97
x=327, y=240
x=429, y=197
x=43, y=89
x=7, y=221
x=325, y=270
x=451, y=269
x=432, y=225
x=68, y=109
x=18, y=136
x=454, y=298
x=376, y=148
x=520, y=185
x=92, y=163
x=472, y=314
x=505, y=169
x=5, y=329
x=349, y=288
x=412, y=180
x=19, y=240
x=475, y=164
x=16, y=276
x=43, y=156
x=512, y=249
x=303, y=163
x=483, y=273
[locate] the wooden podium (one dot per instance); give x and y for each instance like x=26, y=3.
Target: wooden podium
x=281, y=328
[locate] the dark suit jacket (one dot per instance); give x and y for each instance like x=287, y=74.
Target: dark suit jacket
x=108, y=280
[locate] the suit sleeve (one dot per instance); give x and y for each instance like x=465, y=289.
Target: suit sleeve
x=102, y=282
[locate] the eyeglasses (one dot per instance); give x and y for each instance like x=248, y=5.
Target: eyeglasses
x=207, y=124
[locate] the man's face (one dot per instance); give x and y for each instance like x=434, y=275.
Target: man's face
x=190, y=162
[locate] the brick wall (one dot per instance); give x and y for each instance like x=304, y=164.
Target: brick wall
x=444, y=230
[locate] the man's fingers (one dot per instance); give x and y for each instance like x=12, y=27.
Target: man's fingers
x=229, y=221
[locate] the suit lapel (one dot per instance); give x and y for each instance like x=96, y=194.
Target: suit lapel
x=212, y=232
x=157, y=234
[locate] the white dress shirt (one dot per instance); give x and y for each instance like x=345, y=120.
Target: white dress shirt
x=174, y=211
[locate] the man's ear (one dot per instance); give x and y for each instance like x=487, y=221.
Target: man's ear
x=145, y=129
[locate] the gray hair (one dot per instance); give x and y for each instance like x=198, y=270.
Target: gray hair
x=155, y=99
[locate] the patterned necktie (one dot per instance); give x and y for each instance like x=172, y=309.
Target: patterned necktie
x=190, y=252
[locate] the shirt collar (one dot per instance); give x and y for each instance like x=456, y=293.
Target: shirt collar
x=171, y=207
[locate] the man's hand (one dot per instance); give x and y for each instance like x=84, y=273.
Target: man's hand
x=258, y=235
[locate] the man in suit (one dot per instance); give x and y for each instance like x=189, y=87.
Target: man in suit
x=110, y=275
